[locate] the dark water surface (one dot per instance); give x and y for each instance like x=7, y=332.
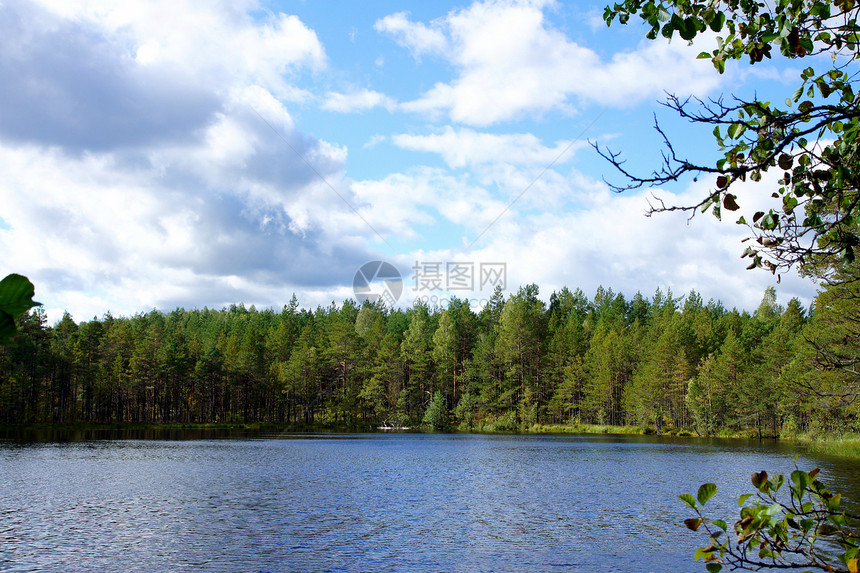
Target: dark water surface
x=372, y=502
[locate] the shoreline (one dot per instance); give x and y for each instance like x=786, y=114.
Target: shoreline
x=846, y=446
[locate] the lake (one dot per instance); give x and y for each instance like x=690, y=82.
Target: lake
x=371, y=502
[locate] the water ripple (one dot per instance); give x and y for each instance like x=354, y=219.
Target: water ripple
x=361, y=503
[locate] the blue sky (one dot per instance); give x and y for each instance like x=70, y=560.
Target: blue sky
x=163, y=154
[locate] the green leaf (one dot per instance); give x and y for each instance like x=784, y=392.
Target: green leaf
x=759, y=479
x=16, y=298
x=820, y=9
x=798, y=93
x=833, y=502
x=706, y=492
x=733, y=128
x=718, y=22
x=688, y=28
x=714, y=567
x=742, y=499
x=16, y=295
x=689, y=500
x=769, y=222
x=800, y=480
x=777, y=482
x=693, y=523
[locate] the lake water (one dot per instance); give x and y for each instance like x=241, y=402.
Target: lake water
x=371, y=502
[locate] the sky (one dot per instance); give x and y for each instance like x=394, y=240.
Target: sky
x=157, y=155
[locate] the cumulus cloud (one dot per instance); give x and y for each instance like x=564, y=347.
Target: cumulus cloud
x=67, y=83
x=511, y=62
x=149, y=164
x=152, y=236
x=219, y=43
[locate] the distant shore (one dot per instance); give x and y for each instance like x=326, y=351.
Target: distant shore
x=843, y=446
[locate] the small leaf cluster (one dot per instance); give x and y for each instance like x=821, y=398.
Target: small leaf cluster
x=809, y=530
x=748, y=29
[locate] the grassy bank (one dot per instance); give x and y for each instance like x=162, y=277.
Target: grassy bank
x=588, y=429
x=843, y=446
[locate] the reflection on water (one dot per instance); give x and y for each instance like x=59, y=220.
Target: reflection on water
x=370, y=502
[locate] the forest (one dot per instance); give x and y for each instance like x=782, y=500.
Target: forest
x=664, y=363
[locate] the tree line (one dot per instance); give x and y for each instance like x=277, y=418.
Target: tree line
x=664, y=362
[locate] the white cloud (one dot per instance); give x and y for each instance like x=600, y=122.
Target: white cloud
x=462, y=147
x=215, y=40
x=374, y=140
x=614, y=245
x=359, y=100
x=402, y=203
x=168, y=234
x=511, y=62
x=417, y=37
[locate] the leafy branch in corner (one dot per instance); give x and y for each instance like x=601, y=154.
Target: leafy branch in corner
x=811, y=141
x=810, y=530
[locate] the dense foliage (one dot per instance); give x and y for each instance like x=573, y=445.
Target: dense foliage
x=667, y=363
